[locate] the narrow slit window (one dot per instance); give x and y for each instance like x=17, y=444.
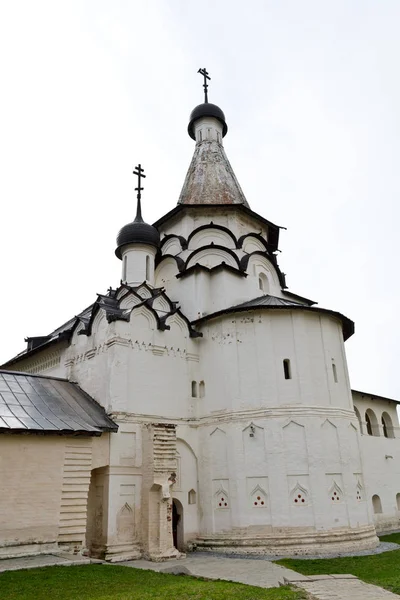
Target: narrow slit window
x=334, y=370
x=147, y=268
x=200, y=136
x=286, y=369
x=194, y=389
x=124, y=270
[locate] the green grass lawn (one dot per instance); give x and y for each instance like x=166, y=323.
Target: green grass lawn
x=380, y=569
x=111, y=582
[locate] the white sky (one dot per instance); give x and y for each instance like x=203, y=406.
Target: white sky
x=311, y=93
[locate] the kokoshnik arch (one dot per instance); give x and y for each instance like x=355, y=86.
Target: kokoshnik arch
x=198, y=402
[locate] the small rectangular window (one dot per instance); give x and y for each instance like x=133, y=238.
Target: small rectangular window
x=286, y=368
x=334, y=373
x=194, y=389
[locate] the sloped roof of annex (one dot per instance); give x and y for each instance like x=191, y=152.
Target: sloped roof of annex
x=42, y=404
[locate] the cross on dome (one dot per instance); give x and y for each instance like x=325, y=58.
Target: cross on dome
x=205, y=84
x=140, y=173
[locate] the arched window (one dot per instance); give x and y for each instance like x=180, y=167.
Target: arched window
x=202, y=389
x=377, y=504
x=358, y=418
x=147, y=267
x=263, y=283
x=371, y=422
x=387, y=425
x=368, y=424
x=398, y=501
x=286, y=369
x=194, y=389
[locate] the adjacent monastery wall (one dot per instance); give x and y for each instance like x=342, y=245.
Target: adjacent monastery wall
x=380, y=447
x=45, y=482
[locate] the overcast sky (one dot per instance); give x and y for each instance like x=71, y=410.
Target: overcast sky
x=311, y=94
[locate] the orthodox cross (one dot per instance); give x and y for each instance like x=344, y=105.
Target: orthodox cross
x=205, y=84
x=140, y=173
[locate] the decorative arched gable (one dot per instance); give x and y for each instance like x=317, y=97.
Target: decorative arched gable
x=252, y=243
x=144, y=291
x=253, y=239
x=212, y=256
x=130, y=300
x=99, y=322
x=167, y=269
x=211, y=234
x=161, y=304
x=145, y=315
x=172, y=244
x=257, y=263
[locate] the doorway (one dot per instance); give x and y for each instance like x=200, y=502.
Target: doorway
x=177, y=524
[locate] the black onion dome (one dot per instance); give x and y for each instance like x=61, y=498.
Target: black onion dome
x=207, y=110
x=137, y=232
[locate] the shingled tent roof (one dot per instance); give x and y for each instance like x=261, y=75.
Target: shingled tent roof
x=35, y=403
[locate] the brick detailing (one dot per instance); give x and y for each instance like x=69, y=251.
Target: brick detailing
x=164, y=448
x=45, y=362
x=74, y=495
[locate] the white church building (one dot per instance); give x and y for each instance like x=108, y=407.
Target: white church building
x=197, y=404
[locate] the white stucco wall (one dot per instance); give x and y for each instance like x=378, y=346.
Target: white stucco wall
x=381, y=457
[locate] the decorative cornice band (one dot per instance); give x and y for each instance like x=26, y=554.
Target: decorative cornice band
x=284, y=412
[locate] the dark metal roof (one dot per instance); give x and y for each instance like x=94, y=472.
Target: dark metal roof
x=137, y=232
x=272, y=302
x=207, y=110
x=35, y=403
x=268, y=301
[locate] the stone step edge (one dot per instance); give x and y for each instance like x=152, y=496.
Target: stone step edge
x=292, y=579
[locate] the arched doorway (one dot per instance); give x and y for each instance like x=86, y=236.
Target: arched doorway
x=177, y=524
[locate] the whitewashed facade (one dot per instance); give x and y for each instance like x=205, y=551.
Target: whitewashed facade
x=237, y=430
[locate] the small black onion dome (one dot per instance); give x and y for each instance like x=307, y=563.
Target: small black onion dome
x=137, y=232
x=207, y=110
